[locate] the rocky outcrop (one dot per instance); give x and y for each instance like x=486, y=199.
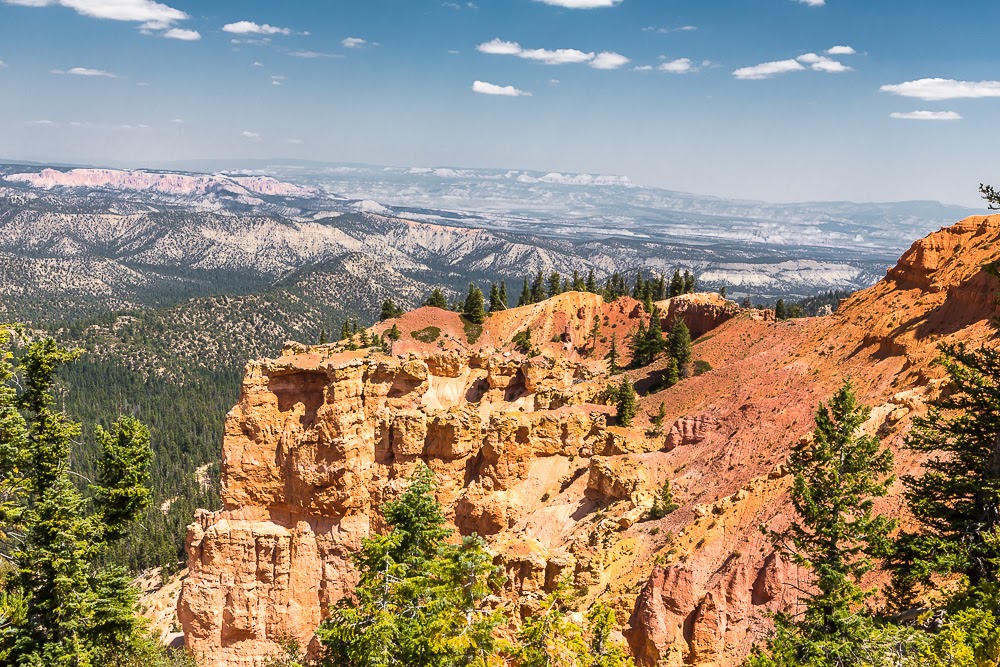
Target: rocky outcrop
x=528, y=458
x=700, y=312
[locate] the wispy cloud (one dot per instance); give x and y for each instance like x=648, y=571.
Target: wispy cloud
x=309, y=55
x=926, y=115
x=42, y=123
x=177, y=121
x=603, y=60
x=294, y=142
x=823, y=64
x=813, y=3
x=277, y=79
x=484, y=88
x=251, y=28
x=353, y=43
x=252, y=136
x=86, y=71
x=3, y=65
x=935, y=90
x=768, y=70
x=664, y=30
x=183, y=35
x=581, y=4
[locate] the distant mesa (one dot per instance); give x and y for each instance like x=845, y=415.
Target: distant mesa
x=164, y=183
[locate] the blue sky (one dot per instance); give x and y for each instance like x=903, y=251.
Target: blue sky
x=745, y=98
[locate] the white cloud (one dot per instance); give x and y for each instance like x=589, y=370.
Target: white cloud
x=484, y=88
x=183, y=35
x=823, y=64
x=582, y=4
x=177, y=121
x=251, y=28
x=252, y=136
x=144, y=11
x=813, y=3
x=277, y=79
x=768, y=70
x=927, y=115
x=603, y=60
x=679, y=66
x=609, y=60
x=86, y=71
x=934, y=90
x=841, y=51
x=256, y=63
x=663, y=30
x=3, y=65
x=42, y=123
x=295, y=142
x=643, y=68
x=309, y=55
x=498, y=47
x=354, y=43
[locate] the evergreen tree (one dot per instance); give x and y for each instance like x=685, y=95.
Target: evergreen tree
x=495, y=299
x=626, y=402
x=673, y=374
x=474, y=308
x=578, y=284
x=723, y=292
x=345, y=330
x=637, y=347
x=549, y=638
x=956, y=501
x=322, y=337
x=991, y=195
x=555, y=284
x=70, y=613
x=525, y=297
x=747, y=302
x=679, y=343
x=503, y=295
x=389, y=311
x=538, y=288
x=437, y=299
x=419, y=600
x=676, y=284
x=690, y=284
x=591, y=284
x=779, y=310
x=612, y=357
x=595, y=332
x=603, y=653
x=836, y=477
x=663, y=503
x=522, y=342
x=394, y=333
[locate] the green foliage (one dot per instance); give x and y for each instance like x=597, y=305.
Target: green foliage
x=836, y=477
x=437, y=299
x=679, y=343
x=522, y=342
x=420, y=600
x=956, y=501
x=389, y=311
x=549, y=637
x=472, y=330
x=394, y=333
x=625, y=401
x=474, y=309
x=657, y=421
x=991, y=195
x=648, y=341
x=614, y=361
x=780, y=313
x=426, y=335
x=701, y=367
x=663, y=503
x=63, y=609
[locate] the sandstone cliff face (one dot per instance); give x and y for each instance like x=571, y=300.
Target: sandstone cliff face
x=528, y=457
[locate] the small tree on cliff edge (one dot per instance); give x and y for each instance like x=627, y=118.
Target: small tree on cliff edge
x=420, y=600
x=474, y=309
x=625, y=400
x=836, y=535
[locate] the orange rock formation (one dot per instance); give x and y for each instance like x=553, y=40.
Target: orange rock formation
x=528, y=457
